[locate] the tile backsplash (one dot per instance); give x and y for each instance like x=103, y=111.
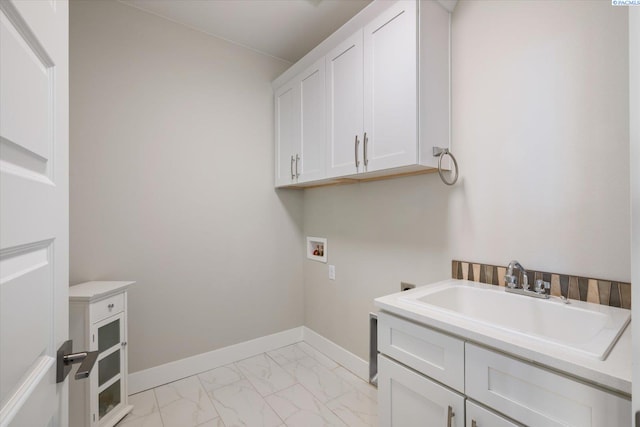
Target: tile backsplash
x=606, y=292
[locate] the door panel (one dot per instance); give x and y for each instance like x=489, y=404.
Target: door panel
x=390, y=88
x=287, y=119
x=33, y=210
x=408, y=399
x=344, y=106
x=312, y=119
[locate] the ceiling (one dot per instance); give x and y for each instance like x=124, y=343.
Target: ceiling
x=285, y=29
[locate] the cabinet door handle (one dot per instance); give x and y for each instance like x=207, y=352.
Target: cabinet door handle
x=291, y=168
x=474, y=423
x=356, y=151
x=123, y=343
x=450, y=415
x=366, y=158
x=110, y=306
x=297, y=160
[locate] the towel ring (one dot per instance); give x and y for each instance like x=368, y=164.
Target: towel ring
x=440, y=152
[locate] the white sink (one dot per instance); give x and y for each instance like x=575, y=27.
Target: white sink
x=590, y=329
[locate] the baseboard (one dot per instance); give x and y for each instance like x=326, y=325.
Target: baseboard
x=173, y=371
x=358, y=366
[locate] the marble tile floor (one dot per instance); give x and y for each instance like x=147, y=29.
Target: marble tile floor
x=292, y=386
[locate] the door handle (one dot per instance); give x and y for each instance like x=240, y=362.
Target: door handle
x=297, y=160
x=366, y=157
x=450, y=415
x=291, y=168
x=65, y=358
x=356, y=152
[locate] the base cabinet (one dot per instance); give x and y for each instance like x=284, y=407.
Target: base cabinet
x=98, y=322
x=498, y=391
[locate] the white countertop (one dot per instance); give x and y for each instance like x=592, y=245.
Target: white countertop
x=97, y=290
x=613, y=373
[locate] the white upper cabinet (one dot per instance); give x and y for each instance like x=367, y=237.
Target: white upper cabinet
x=345, y=107
x=312, y=123
x=390, y=89
x=287, y=123
x=300, y=127
x=387, y=98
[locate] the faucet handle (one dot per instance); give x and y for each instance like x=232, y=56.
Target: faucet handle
x=541, y=286
x=510, y=280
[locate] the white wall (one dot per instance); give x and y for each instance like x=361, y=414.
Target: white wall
x=172, y=183
x=540, y=130
x=634, y=115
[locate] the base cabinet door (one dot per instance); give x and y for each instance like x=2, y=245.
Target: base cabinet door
x=477, y=416
x=408, y=399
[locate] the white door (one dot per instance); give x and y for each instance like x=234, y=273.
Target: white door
x=312, y=123
x=345, y=108
x=408, y=399
x=33, y=210
x=390, y=89
x=287, y=125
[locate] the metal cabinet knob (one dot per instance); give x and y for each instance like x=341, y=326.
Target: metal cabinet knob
x=110, y=306
x=123, y=343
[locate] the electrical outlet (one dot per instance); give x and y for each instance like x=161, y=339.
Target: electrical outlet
x=332, y=272
x=406, y=286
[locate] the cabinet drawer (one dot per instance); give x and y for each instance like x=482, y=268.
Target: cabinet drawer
x=538, y=397
x=432, y=353
x=408, y=399
x=477, y=416
x=107, y=307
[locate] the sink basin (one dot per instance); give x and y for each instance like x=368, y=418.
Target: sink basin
x=587, y=328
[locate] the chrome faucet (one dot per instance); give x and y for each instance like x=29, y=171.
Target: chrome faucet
x=511, y=281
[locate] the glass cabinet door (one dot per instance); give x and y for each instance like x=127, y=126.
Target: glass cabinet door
x=110, y=335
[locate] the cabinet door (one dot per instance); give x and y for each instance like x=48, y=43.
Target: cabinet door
x=408, y=399
x=345, y=107
x=477, y=416
x=537, y=397
x=311, y=150
x=390, y=88
x=107, y=377
x=287, y=111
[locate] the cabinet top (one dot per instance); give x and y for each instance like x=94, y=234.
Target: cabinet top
x=91, y=291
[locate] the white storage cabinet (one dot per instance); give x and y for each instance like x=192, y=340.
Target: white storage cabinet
x=426, y=377
x=300, y=127
x=386, y=97
x=98, y=321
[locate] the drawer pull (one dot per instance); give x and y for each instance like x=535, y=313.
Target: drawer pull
x=450, y=415
x=110, y=306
